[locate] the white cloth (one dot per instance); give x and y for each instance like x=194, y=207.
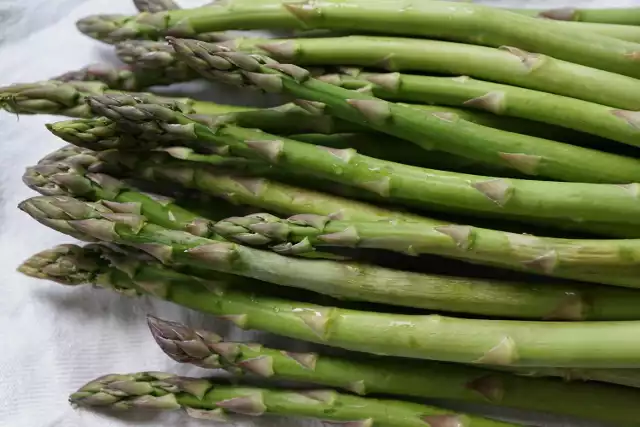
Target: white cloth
x=54, y=339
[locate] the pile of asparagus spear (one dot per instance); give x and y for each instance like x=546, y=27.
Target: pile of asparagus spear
x=447, y=191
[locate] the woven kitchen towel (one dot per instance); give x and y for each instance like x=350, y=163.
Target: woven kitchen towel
x=52, y=339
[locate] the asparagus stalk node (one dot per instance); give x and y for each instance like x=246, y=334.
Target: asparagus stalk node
x=484, y=342
x=368, y=375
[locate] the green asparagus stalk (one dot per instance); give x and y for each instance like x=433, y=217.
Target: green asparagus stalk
x=508, y=198
x=246, y=189
x=344, y=280
x=369, y=375
x=69, y=99
x=487, y=342
x=587, y=260
x=154, y=6
x=442, y=131
x=620, y=15
x=204, y=399
x=444, y=20
x=596, y=119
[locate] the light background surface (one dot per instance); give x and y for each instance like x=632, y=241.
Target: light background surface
x=54, y=339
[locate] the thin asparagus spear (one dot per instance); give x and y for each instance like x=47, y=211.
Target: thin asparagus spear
x=154, y=6
x=519, y=199
x=69, y=99
x=444, y=20
x=442, y=131
x=204, y=399
x=598, y=261
x=365, y=375
x=352, y=281
x=488, y=342
x=499, y=99
x=618, y=15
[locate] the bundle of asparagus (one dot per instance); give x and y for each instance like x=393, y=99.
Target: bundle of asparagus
x=511, y=176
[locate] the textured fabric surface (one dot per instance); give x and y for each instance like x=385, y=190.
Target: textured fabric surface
x=53, y=339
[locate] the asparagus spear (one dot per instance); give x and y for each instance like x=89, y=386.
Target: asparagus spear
x=499, y=99
x=619, y=15
x=342, y=280
x=369, y=375
x=205, y=399
x=153, y=6
x=444, y=20
x=443, y=131
x=572, y=259
x=519, y=199
x=69, y=99
x=487, y=342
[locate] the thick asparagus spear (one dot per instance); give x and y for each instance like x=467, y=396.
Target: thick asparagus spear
x=488, y=342
x=442, y=131
x=519, y=199
x=576, y=114
x=153, y=6
x=353, y=281
x=619, y=15
x=444, y=20
x=365, y=375
x=204, y=399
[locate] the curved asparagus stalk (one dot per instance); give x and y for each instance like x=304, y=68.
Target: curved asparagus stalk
x=618, y=15
x=69, y=99
x=154, y=6
x=204, y=399
x=487, y=342
x=499, y=99
x=342, y=280
x=444, y=20
x=442, y=131
x=508, y=198
x=430, y=380
x=572, y=259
